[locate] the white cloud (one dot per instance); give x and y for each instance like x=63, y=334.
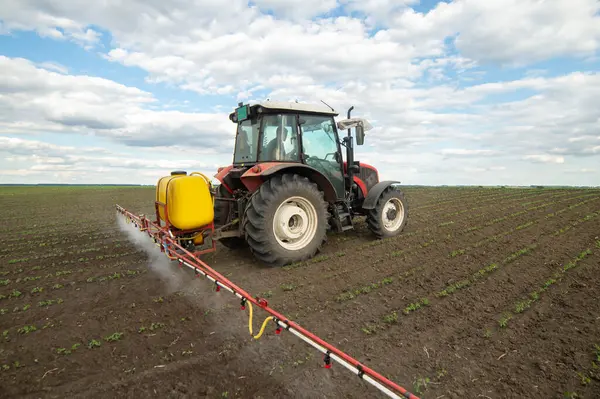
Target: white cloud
x=404, y=78
x=89, y=164
x=54, y=66
x=544, y=158
x=296, y=9
x=464, y=152
x=487, y=30
x=34, y=99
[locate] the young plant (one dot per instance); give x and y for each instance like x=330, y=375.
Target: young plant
x=415, y=306
x=113, y=337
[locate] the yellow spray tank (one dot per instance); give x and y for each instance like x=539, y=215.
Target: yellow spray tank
x=185, y=201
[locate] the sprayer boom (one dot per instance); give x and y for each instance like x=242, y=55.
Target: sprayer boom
x=168, y=244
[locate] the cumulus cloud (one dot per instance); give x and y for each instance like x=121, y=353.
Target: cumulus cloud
x=544, y=158
x=465, y=152
x=297, y=9
x=35, y=99
x=418, y=77
x=486, y=30
x=88, y=164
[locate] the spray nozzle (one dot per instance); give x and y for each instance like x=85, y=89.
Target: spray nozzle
x=327, y=360
x=278, y=329
x=218, y=287
x=243, y=304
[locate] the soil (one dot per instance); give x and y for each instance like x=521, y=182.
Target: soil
x=502, y=286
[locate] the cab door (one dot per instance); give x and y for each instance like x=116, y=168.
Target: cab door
x=321, y=150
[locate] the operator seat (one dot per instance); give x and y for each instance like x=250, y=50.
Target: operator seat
x=271, y=150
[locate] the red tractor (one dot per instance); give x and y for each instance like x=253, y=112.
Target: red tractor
x=288, y=183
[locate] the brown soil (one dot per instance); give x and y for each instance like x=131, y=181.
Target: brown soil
x=491, y=250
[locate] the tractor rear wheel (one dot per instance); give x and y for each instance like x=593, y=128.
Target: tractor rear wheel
x=286, y=220
x=390, y=214
x=222, y=211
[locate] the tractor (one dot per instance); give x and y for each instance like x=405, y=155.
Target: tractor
x=288, y=184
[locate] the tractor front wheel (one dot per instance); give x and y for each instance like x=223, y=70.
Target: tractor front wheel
x=390, y=214
x=286, y=220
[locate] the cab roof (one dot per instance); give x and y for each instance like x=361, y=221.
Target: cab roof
x=321, y=109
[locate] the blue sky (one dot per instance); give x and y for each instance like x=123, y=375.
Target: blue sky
x=464, y=92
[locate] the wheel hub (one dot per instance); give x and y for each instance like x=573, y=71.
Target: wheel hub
x=291, y=222
x=393, y=214
x=295, y=223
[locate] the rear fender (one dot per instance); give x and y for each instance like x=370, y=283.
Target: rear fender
x=375, y=193
x=258, y=174
x=221, y=173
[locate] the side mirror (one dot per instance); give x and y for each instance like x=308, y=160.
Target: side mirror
x=360, y=135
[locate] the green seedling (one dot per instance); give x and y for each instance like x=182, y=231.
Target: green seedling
x=504, y=320
x=288, y=287
x=457, y=252
x=391, y=318
x=417, y=305
x=156, y=326
x=27, y=329
x=369, y=329
x=421, y=383
x=113, y=337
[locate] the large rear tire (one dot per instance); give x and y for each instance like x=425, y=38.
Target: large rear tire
x=286, y=220
x=222, y=210
x=390, y=214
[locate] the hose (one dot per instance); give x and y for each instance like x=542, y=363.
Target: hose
x=207, y=180
x=264, y=324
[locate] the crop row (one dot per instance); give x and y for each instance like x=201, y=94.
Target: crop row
x=15, y=293
x=483, y=196
x=459, y=251
x=349, y=294
x=523, y=304
x=463, y=283
x=514, y=200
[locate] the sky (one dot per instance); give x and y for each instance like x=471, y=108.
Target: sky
x=468, y=92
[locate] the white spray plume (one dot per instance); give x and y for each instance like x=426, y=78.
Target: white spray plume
x=200, y=294
x=157, y=261
x=176, y=279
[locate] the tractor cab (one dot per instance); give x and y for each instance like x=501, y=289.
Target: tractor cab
x=306, y=134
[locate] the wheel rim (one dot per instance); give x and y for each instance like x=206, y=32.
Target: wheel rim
x=295, y=223
x=393, y=214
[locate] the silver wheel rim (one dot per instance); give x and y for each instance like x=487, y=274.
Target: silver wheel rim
x=393, y=207
x=295, y=223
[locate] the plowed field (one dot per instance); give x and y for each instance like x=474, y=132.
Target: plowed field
x=488, y=293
